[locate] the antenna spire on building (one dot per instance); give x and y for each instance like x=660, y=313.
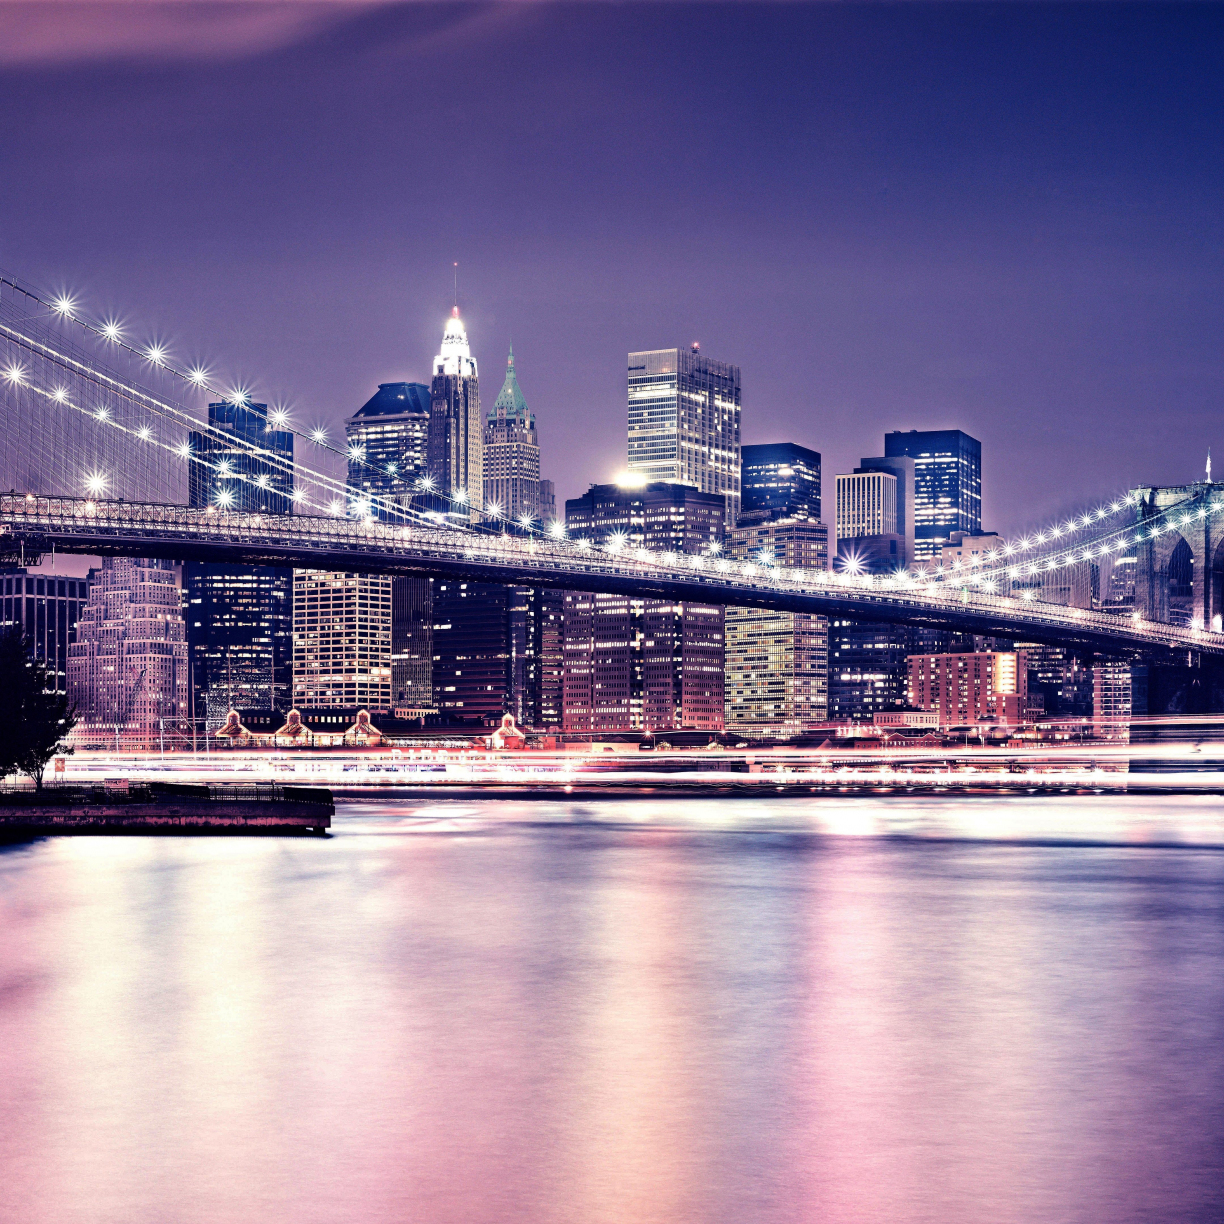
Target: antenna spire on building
x=456, y=286
x=1209, y=465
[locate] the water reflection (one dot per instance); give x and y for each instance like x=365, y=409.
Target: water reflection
x=657, y=1012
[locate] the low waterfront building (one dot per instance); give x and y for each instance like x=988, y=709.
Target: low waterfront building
x=970, y=690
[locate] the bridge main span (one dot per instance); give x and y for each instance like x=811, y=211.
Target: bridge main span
x=38, y=525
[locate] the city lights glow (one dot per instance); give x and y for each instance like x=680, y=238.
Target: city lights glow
x=318, y=434
x=197, y=375
x=95, y=484
x=64, y=305
x=144, y=433
x=14, y=373
x=224, y=498
x=279, y=418
x=60, y=394
x=556, y=529
x=111, y=330
x=156, y=354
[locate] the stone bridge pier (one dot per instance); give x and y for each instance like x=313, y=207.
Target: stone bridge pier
x=1179, y=575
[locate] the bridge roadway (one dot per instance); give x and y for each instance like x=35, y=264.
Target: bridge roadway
x=39, y=525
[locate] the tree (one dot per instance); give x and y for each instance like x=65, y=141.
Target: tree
x=33, y=721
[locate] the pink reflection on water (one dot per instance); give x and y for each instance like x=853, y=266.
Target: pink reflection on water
x=605, y=1017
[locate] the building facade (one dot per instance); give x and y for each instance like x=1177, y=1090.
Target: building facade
x=782, y=479
x=1112, y=700
x=866, y=505
x=903, y=471
x=239, y=617
x=342, y=640
x=511, y=454
x=967, y=690
x=388, y=439
x=127, y=669
x=684, y=422
x=456, y=428
x=947, y=484
x=641, y=664
x=46, y=608
x=777, y=663
x=548, y=502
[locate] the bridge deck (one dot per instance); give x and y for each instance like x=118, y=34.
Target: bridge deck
x=80, y=525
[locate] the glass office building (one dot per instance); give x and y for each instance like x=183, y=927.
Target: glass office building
x=947, y=484
x=684, y=421
x=781, y=478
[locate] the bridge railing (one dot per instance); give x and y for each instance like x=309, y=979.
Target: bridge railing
x=68, y=516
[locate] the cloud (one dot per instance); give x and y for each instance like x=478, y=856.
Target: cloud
x=74, y=31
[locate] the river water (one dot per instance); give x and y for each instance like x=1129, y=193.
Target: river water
x=733, y=1010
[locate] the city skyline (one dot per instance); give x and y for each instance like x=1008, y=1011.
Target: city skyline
x=1056, y=274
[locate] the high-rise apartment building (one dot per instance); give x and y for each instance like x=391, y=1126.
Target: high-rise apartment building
x=902, y=469
x=1112, y=700
x=511, y=454
x=127, y=669
x=239, y=617
x=777, y=663
x=634, y=664
x=46, y=608
x=456, y=429
x=971, y=689
x=948, y=484
x=341, y=640
x=388, y=443
x=388, y=439
x=866, y=505
x=782, y=479
x=684, y=422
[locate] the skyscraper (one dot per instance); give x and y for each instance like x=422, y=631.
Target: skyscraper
x=46, y=609
x=388, y=443
x=781, y=478
x=684, y=421
x=902, y=468
x=633, y=664
x=127, y=669
x=341, y=640
x=456, y=430
x=777, y=663
x=511, y=453
x=948, y=484
x=390, y=436
x=239, y=617
x=866, y=505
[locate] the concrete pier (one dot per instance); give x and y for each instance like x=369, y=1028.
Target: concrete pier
x=166, y=808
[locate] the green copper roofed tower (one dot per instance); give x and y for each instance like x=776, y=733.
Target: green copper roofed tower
x=511, y=454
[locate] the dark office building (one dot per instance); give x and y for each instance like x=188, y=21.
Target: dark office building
x=239, y=617
x=781, y=478
x=496, y=651
x=947, y=484
x=45, y=608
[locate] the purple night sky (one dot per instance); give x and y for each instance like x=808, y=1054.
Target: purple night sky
x=1000, y=218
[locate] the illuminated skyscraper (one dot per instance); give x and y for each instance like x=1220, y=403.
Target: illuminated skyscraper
x=456, y=430
x=777, y=664
x=947, y=484
x=239, y=617
x=388, y=443
x=866, y=505
x=684, y=421
x=783, y=479
x=512, y=453
x=634, y=664
x=390, y=436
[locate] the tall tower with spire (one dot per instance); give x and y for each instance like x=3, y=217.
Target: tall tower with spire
x=456, y=435
x=511, y=454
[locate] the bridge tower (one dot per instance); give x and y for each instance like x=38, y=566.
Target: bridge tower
x=1179, y=575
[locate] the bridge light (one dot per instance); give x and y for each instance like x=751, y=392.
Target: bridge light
x=224, y=499
x=239, y=397
x=95, y=483
x=1056, y=531
x=318, y=434
x=110, y=329
x=615, y=542
x=64, y=305
x=279, y=417
x=224, y=468
x=493, y=509
x=296, y=495
x=144, y=433
x=103, y=414
x=584, y=545
x=1009, y=550
x=155, y=353
x=335, y=506
x=197, y=375
x=262, y=480
x=556, y=529
x=14, y=373
x=392, y=468
x=356, y=452
x=184, y=451
x=1026, y=594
